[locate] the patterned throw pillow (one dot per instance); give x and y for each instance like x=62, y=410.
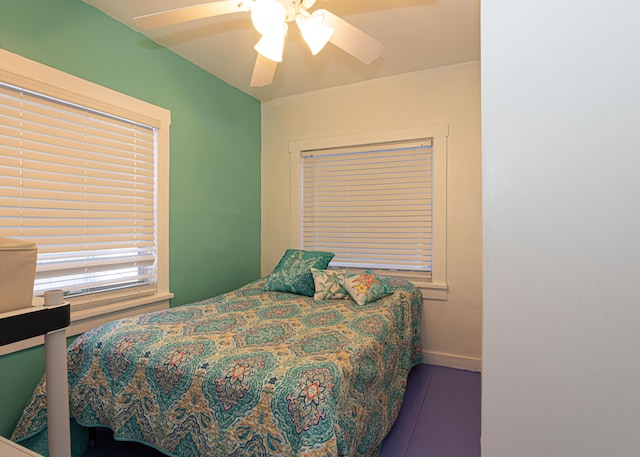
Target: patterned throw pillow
x=293, y=272
x=366, y=287
x=328, y=284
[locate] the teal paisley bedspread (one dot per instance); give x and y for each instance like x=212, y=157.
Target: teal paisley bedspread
x=247, y=373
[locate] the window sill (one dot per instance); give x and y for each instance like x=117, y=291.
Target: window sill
x=88, y=318
x=431, y=291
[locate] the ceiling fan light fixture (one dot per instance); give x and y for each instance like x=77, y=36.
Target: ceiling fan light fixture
x=314, y=31
x=268, y=16
x=271, y=46
x=271, y=20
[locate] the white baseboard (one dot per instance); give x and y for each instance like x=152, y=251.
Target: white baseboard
x=452, y=361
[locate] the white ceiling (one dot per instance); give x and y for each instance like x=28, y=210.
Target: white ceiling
x=417, y=35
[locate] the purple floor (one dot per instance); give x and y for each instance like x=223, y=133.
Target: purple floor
x=440, y=417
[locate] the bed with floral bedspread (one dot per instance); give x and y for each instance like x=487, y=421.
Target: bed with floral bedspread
x=247, y=373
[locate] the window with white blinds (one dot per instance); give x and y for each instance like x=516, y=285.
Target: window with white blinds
x=377, y=200
x=371, y=205
x=81, y=184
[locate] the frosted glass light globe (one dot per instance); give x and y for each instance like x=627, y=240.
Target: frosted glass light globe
x=268, y=16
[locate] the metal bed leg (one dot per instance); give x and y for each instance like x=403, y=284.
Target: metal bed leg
x=92, y=437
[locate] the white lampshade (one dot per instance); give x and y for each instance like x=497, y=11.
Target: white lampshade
x=314, y=31
x=271, y=46
x=268, y=16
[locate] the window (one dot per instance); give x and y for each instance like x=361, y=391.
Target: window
x=84, y=175
x=377, y=201
x=81, y=185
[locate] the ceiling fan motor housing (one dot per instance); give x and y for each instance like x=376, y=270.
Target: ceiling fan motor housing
x=292, y=7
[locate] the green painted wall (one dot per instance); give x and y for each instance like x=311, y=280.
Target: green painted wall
x=215, y=153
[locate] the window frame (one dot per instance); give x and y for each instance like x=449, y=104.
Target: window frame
x=88, y=311
x=436, y=288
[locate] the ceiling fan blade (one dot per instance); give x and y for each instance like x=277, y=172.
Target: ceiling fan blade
x=263, y=72
x=351, y=39
x=188, y=13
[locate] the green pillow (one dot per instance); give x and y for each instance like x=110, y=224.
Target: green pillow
x=366, y=287
x=293, y=272
x=328, y=284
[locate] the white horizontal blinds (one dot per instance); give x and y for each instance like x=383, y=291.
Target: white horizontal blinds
x=81, y=185
x=371, y=205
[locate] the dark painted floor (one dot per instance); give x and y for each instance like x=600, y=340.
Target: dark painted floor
x=440, y=417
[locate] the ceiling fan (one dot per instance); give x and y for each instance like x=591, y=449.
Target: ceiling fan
x=271, y=19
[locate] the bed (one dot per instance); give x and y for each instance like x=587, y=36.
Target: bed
x=251, y=372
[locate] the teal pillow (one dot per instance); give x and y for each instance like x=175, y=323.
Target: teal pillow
x=366, y=287
x=328, y=284
x=293, y=272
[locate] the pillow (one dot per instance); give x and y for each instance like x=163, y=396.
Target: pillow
x=293, y=272
x=328, y=284
x=366, y=287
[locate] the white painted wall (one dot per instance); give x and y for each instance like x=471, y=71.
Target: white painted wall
x=561, y=185
x=452, y=328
